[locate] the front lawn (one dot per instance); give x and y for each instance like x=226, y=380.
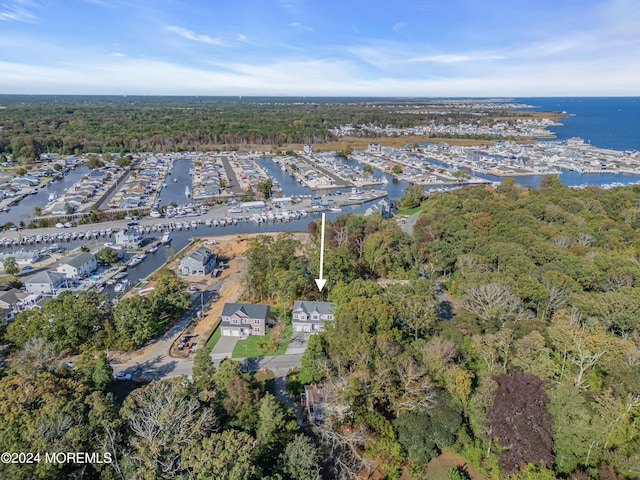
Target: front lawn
x=252, y=349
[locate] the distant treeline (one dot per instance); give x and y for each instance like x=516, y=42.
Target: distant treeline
x=31, y=125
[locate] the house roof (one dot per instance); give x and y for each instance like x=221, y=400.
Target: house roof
x=323, y=308
x=251, y=310
x=11, y=297
x=78, y=259
x=200, y=254
x=45, y=277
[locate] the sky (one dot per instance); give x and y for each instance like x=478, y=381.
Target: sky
x=427, y=48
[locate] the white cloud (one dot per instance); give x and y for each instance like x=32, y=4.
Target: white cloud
x=301, y=27
x=18, y=10
x=190, y=35
x=118, y=54
x=399, y=27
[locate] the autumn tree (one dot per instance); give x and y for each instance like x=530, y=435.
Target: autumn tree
x=520, y=424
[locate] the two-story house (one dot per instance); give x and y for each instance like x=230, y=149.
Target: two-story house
x=128, y=238
x=79, y=265
x=46, y=283
x=244, y=319
x=310, y=316
x=200, y=261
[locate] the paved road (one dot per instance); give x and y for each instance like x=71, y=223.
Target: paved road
x=407, y=226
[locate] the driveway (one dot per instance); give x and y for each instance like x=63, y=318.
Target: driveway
x=298, y=343
x=224, y=347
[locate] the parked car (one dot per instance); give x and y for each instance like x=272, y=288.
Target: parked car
x=26, y=267
x=122, y=376
x=69, y=365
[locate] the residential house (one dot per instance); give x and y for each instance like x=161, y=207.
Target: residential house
x=22, y=257
x=198, y=262
x=374, y=148
x=46, y=283
x=10, y=303
x=79, y=265
x=128, y=238
x=310, y=316
x=308, y=148
x=244, y=319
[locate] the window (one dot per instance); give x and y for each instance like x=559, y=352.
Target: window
x=256, y=321
x=256, y=329
x=235, y=321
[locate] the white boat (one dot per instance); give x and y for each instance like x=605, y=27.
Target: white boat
x=135, y=261
x=235, y=209
x=207, y=223
x=164, y=184
x=335, y=209
x=52, y=196
x=121, y=287
x=356, y=197
x=155, y=214
x=166, y=238
x=175, y=179
x=153, y=249
x=187, y=191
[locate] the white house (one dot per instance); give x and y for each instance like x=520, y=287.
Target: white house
x=310, y=316
x=46, y=283
x=128, y=238
x=23, y=257
x=79, y=265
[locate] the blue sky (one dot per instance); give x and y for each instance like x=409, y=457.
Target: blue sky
x=321, y=47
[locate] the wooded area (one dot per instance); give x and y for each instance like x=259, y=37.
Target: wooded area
x=31, y=125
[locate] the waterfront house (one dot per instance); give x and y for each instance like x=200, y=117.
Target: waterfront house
x=45, y=283
x=200, y=261
x=128, y=238
x=244, y=319
x=11, y=303
x=374, y=148
x=22, y=257
x=79, y=265
x=310, y=316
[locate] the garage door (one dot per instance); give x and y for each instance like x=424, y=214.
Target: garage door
x=236, y=333
x=226, y=332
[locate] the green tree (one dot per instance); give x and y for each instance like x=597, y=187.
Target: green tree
x=228, y=455
x=424, y=433
x=300, y=459
x=11, y=266
x=396, y=169
x=367, y=169
x=314, y=361
x=412, y=197
x=108, y=255
x=204, y=371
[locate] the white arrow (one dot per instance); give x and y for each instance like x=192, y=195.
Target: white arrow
x=320, y=281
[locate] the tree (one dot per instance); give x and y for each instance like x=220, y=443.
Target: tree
x=11, y=266
x=424, y=433
x=108, y=255
x=165, y=420
x=37, y=211
x=367, y=169
x=228, y=455
x=396, y=169
x=122, y=162
x=520, y=424
x=248, y=194
x=300, y=459
x=412, y=197
x=204, y=371
x=265, y=187
x=314, y=361
x=93, y=162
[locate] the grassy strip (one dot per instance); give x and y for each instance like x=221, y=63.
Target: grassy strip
x=411, y=211
x=252, y=347
x=214, y=337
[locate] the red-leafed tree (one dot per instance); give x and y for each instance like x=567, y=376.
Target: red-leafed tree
x=520, y=424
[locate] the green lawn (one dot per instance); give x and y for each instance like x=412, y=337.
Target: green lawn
x=213, y=339
x=411, y=211
x=253, y=350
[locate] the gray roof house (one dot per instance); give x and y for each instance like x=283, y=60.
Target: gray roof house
x=198, y=262
x=244, y=319
x=78, y=265
x=310, y=316
x=46, y=283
